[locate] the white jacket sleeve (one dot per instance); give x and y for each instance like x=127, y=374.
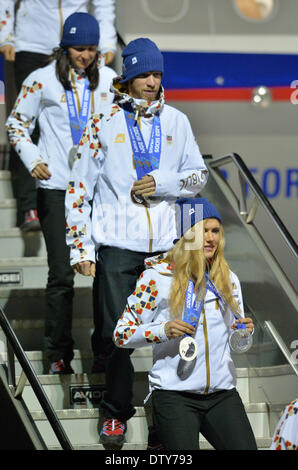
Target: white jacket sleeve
x=138, y=326
x=7, y=22
x=21, y=122
x=79, y=193
x=237, y=293
x=104, y=12
x=192, y=175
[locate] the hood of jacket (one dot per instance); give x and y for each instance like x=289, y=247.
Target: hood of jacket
x=160, y=263
x=138, y=106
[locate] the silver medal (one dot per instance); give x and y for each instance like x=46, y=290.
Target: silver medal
x=240, y=341
x=138, y=199
x=72, y=154
x=188, y=348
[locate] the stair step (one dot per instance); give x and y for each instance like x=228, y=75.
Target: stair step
x=63, y=391
x=6, y=191
x=83, y=360
x=126, y=447
x=83, y=426
x=8, y=213
x=15, y=243
x=31, y=273
x=25, y=312
x=263, y=443
x=273, y=384
x=25, y=306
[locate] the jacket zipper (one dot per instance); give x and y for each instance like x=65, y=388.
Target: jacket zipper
x=146, y=208
x=150, y=229
x=207, y=361
x=61, y=17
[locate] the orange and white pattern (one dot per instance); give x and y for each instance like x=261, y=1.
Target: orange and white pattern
x=286, y=432
x=139, y=309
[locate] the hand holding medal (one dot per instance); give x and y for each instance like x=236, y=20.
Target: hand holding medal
x=240, y=340
x=145, y=159
x=188, y=348
x=177, y=328
x=143, y=188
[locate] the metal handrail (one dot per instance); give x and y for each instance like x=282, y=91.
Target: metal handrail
x=34, y=382
x=244, y=171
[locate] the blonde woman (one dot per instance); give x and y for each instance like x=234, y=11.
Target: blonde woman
x=186, y=303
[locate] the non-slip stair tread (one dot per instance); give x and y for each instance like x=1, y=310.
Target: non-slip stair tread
x=30, y=261
x=140, y=352
x=262, y=443
x=126, y=446
x=5, y=175
x=8, y=203
x=242, y=372
x=14, y=232
x=70, y=379
x=34, y=272
x=33, y=292
x=265, y=371
x=18, y=324
x=70, y=413
x=83, y=413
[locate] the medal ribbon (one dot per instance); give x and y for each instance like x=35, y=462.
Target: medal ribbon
x=146, y=160
x=78, y=123
x=213, y=289
x=192, y=310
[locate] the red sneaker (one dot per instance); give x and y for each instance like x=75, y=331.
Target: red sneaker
x=60, y=367
x=31, y=221
x=112, y=435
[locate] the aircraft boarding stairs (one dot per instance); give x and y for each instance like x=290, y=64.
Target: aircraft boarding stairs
x=62, y=411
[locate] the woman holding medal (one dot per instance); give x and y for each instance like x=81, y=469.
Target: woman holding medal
x=61, y=96
x=187, y=303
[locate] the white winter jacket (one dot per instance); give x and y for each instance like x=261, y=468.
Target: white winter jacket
x=42, y=98
x=39, y=23
x=104, y=172
x=143, y=321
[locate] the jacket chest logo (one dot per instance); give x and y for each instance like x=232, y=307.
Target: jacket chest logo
x=169, y=139
x=120, y=139
x=63, y=98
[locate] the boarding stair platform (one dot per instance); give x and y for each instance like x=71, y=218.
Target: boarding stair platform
x=62, y=412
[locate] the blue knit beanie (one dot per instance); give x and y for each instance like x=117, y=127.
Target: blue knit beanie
x=141, y=56
x=190, y=211
x=80, y=29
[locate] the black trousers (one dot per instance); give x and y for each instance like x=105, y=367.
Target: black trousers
x=25, y=63
x=117, y=271
x=179, y=417
x=58, y=342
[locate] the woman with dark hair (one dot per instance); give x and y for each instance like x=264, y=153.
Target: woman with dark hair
x=61, y=96
x=187, y=303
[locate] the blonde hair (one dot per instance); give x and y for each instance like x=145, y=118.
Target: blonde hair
x=191, y=264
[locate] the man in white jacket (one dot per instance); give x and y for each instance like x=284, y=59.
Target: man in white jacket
x=133, y=162
x=27, y=39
